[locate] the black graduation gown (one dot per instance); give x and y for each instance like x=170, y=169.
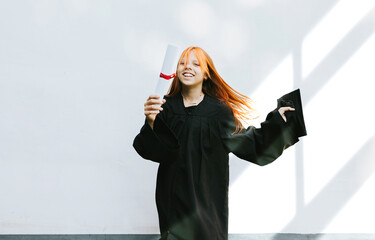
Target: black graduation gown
x=192, y=146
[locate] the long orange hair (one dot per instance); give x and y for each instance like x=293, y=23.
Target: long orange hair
x=214, y=86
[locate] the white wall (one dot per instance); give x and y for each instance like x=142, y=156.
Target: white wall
x=74, y=75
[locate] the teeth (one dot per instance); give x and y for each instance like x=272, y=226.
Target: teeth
x=188, y=74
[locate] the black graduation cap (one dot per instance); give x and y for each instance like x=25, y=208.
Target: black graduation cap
x=295, y=118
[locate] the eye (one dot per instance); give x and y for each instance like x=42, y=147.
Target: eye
x=196, y=63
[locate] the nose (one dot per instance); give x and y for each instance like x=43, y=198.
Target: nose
x=188, y=66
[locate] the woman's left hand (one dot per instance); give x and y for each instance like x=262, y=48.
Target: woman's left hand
x=282, y=111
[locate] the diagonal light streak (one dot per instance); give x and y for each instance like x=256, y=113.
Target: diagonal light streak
x=337, y=192
x=330, y=30
x=339, y=55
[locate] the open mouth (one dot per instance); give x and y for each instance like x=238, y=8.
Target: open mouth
x=187, y=74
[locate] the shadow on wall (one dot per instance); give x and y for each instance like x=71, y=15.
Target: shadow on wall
x=360, y=167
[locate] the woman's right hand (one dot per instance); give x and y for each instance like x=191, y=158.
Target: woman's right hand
x=152, y=108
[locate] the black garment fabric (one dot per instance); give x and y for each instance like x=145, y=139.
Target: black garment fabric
x=191, y=146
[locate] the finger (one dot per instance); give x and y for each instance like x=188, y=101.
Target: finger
x=155, y=101
x=151, y=112
x=283, y=109
x=153, y=96
x=152, y=102
x=153, y=107
x=289, y=109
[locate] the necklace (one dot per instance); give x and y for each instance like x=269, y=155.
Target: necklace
x=200, y=98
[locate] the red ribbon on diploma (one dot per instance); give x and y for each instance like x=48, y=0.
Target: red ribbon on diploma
x=167, y=77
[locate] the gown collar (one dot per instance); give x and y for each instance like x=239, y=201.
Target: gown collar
x=194, y=109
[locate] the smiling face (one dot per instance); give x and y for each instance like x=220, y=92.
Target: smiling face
x=189, y=71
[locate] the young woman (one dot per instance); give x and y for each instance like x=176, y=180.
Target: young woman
x=191, y=132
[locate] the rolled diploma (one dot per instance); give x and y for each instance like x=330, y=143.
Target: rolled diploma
x=169, y=67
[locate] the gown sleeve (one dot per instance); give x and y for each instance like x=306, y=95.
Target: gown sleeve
x=158, y=144
x=265, y=144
